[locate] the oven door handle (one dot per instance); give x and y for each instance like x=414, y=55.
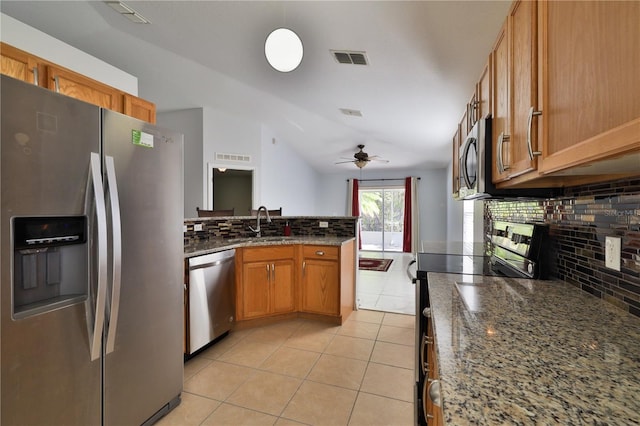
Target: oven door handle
x=411, y=277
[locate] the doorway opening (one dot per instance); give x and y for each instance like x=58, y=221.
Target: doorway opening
x=231, y=188
x=382, y=218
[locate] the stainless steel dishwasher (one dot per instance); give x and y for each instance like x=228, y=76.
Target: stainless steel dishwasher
x=211, y=297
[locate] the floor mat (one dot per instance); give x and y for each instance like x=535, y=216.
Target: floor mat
x=368, y=264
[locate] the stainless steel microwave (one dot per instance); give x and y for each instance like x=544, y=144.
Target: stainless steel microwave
x=475, y=169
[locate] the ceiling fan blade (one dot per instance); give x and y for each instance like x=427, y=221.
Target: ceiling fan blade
x=342, y=162
x=379, y=160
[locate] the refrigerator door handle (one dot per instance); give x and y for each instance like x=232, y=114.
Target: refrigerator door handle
x=95, y=324
x=116, y=242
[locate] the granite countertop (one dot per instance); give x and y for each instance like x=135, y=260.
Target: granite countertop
x=213, y=246
x=518, y=351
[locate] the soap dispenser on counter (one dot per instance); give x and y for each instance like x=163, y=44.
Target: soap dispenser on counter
x=287, y=229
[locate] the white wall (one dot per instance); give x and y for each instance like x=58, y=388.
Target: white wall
x=189, y=122
x=34, y=41
x=287, y=180
x=455, y=210
x=230, y=134
x=331, y=198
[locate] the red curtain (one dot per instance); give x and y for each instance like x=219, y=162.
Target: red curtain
x=406, y=235
x=355, y=208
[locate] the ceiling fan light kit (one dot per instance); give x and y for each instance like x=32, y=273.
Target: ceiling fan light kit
x=283, y=50
x=362, y=158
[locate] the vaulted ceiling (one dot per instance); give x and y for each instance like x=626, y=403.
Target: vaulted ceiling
x=424, y=58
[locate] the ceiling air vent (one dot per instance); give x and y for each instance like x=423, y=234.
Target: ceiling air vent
x=351, y=112
x=220, y=156
x=349, y=57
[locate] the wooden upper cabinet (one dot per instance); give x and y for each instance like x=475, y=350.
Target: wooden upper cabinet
x=564, y=94
x=32, y=69
x=483, y=92
x=80, y=87
x=500, y=140
x=139, y=108
x=522, y=39
x=18, y=64
x=464, y=125
x=590, y=75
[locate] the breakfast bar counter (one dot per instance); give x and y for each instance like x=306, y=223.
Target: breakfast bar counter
x=519, y=351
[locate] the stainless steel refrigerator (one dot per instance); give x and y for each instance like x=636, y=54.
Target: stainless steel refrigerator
x=92, y=263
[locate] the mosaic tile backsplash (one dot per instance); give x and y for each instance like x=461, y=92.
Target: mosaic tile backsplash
x=578, y=223
x=238, y=227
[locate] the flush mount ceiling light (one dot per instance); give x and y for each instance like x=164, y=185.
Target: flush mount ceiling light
x=127, y=12
x=283, y=49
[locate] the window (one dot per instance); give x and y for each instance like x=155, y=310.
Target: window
x=382, y=213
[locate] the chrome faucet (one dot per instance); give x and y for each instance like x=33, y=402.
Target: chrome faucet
x=266, y=212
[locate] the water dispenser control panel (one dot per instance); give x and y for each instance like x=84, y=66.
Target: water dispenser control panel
x=34, y=232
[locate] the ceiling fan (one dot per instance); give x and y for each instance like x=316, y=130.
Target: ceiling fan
x=362, y=158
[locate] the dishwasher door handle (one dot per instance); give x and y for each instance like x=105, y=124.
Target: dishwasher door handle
x=210, y=264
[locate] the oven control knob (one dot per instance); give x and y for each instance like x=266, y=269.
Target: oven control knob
x=530, y=268
x=426, y=312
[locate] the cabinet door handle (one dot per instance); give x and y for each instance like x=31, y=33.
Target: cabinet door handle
x=425, y=396
x=532, y=153
x=320, y=253
x=502, y=138
x=304, y=267
x=273, y=272
x=472, y=112
x=434, y=393
x=424, y=362
x=268, y=272
x=35, y=76
x=56, y=84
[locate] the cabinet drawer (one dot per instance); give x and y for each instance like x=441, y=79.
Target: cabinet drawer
x=321, y=252
x=267, y=253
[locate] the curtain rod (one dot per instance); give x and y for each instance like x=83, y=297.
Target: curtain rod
x=367, y=180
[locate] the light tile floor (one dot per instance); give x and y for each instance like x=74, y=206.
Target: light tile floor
x=304, y=372
x=390, y=291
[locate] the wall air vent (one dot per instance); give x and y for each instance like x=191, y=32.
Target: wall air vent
x=220, y=156
x=350, y=57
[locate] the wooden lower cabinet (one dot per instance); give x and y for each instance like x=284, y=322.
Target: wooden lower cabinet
x=320, y=283
x=265, y=281
x=313, y=280
x=433, y=412
x=256, y=290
